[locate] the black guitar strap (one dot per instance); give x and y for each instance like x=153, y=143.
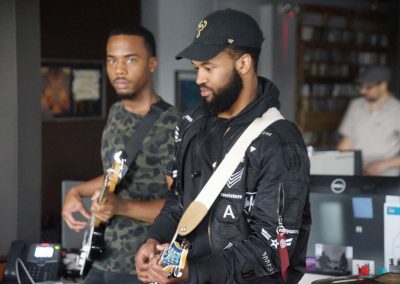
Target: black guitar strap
x=136, y=142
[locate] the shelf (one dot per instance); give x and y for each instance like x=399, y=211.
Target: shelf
x=319, y=121
x=337, y=11
x=342, y=45
x=334, y=44
x=328, y=96
x=327, y=80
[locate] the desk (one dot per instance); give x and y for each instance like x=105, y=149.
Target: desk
x=309, y=277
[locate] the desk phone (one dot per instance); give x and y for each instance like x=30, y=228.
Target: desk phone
x=43, y=261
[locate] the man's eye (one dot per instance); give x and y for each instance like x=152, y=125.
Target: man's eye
x=131, y=60
x=111, y=61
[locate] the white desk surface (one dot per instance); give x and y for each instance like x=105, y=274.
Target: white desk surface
x=308, y=278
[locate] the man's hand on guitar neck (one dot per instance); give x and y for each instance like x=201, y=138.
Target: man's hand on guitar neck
x=73, y=203
x=143, y=210
x=107, y=209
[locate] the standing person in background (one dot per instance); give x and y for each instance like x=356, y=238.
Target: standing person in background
x=131, y=62
x=237, y=241
x=372, y=124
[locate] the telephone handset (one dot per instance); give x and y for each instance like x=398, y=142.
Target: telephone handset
x=41, y=260
x=17, y=250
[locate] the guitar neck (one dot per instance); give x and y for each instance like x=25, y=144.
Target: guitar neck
x=109, y=185
x=94, y=222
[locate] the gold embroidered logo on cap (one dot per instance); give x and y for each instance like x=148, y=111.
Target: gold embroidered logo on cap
x=231, y=40
x=200, y=27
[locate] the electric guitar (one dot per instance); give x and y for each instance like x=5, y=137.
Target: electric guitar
x=173, y=258
x=93, y=240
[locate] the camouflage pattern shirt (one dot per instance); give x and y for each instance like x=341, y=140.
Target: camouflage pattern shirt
x=145, y=180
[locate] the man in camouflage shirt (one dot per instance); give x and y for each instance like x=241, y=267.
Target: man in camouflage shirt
x=131, y=60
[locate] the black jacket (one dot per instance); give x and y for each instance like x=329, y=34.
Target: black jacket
x=236, y=241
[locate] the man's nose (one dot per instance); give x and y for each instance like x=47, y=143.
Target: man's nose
x=200, y=78
x=121, y=69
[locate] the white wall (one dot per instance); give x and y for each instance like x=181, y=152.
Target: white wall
x=172, y=23
x=20, y=123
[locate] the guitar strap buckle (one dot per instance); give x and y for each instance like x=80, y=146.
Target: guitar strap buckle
x=174, y=256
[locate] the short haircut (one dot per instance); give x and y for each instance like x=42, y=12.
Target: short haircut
x=129, y=29
x=237, y=51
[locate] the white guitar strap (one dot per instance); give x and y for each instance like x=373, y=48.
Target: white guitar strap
x=199, y=207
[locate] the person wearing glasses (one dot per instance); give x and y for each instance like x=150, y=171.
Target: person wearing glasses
x=372, y=124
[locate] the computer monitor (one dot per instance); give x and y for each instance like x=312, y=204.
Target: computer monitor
x=348, y=211
x=336, y=162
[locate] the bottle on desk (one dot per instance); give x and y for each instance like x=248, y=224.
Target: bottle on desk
x=394, y=265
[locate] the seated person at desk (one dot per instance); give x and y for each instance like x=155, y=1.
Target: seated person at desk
x=372, y=124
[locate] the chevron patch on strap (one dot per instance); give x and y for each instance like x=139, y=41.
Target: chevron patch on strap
x=235, y=178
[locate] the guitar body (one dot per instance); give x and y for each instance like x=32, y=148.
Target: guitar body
x=93, y=244
x=173, y=258
x=98, y=244
x=92, y=250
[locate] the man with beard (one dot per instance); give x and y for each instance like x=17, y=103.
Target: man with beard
x=237, y=241
x=131, y=61
x=372, y=124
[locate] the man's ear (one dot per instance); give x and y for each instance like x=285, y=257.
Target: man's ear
x=244, y=64
x=153, y=63
x=384, y=87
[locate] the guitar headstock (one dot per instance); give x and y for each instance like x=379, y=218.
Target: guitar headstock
x=112, y=177
x=118, y=167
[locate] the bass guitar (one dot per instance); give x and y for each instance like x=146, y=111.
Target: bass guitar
x=93, y=240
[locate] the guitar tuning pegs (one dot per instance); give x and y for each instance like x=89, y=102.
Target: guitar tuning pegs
x=124, y=155
x=119, y=156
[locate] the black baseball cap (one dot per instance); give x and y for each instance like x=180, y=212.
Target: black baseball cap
x=374, y=74
x=219, y=30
